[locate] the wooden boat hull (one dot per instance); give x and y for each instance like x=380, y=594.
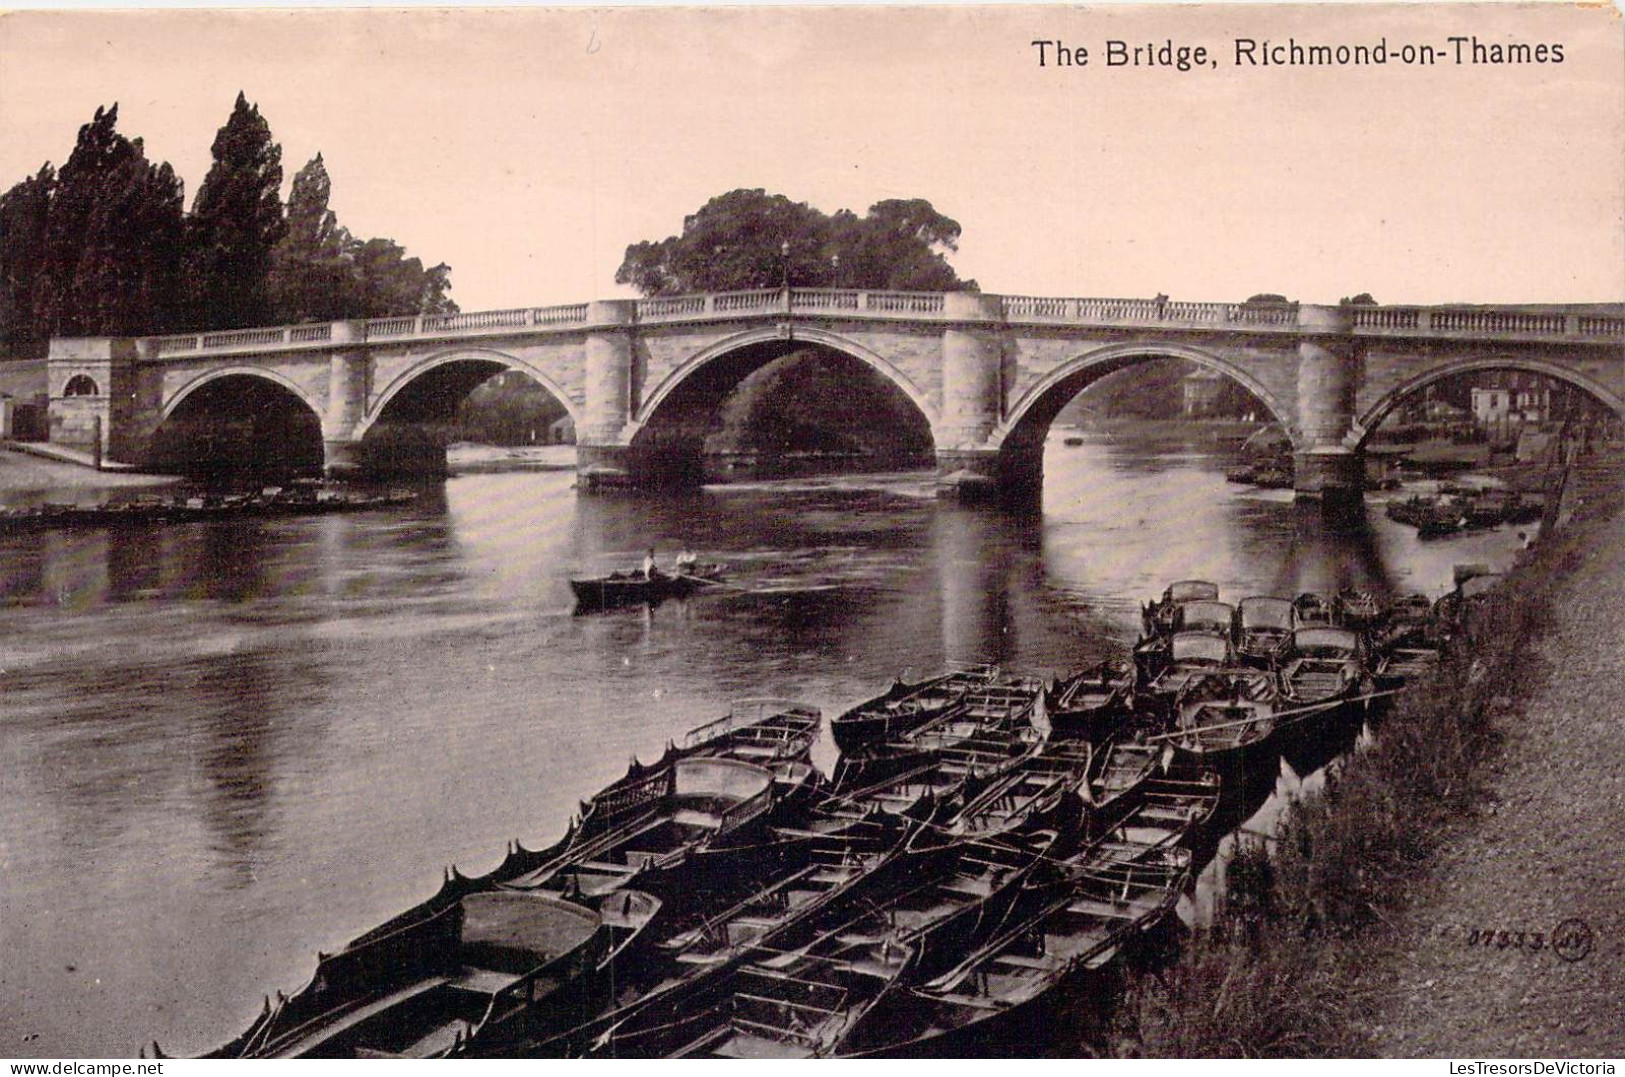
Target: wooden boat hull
x=608, y=592
x=902, y=708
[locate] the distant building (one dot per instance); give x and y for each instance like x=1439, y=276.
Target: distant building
x=1492, y=407
x=562, y=432
x=8, y=408
x=1506, y=401
x=1201, y=390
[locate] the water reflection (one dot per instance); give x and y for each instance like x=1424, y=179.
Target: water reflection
x=231, y=743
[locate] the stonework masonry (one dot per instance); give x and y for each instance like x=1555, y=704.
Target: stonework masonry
x=987, y=372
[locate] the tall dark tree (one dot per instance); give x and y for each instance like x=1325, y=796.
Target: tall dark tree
x=751, y=239
x=236, y=224
x=112, y=240
x=312, y=275
x=24, y=218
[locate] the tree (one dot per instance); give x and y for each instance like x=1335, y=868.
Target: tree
x=320, y=272
x=750, y=239
x=390, y=284
x=898, y=246
x=113, y=239
x=1362, y=300
x=236, y=224
x=24, y=218
x=312, y=275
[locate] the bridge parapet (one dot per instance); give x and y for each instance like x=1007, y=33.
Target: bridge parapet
x=1520, y=324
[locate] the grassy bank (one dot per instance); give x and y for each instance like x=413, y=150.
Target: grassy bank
x=1288, y=967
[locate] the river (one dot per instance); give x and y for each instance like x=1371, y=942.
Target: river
x=224, y=746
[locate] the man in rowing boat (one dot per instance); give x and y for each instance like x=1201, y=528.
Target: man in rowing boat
x=684, y=565
x=651, y=571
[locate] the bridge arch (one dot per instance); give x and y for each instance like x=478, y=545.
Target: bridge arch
x=235, y=422
x=263, y=373
x=485, y=357
x=1367, y=423
x=1032, y=413
x=767, y=335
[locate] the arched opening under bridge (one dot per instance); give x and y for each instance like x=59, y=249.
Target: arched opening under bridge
x=477, y=401
x=771, y=408
x=1184, y=395
x=238, y=426
x=1486, y=410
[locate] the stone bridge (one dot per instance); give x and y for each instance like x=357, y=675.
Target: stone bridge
x=988, y=373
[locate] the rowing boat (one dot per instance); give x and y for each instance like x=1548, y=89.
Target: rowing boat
x=620, y=589
x=904, y=707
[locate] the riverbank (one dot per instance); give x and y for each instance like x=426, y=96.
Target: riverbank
x=1386, y=918
x=1546, y=848
x=23, y=476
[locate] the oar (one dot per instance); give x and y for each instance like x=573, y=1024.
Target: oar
x=718, y=583
x=1298, y=712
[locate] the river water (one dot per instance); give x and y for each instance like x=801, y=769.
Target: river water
x=224, y=746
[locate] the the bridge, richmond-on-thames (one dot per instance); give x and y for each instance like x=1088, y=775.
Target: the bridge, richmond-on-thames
x=988, y=372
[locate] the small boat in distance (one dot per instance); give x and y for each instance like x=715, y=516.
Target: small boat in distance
x=633, y=588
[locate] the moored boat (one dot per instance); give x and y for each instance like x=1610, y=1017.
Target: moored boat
x=1263, y=630
x=464, y=968
x=1187, y=656
x=1072, y=922
x=1157, y=617
x=1223, y=719
x=904, y=707
x=809, y=982
x=1126, y=765
x=1090, y=704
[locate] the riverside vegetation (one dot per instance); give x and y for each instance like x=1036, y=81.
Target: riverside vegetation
x=1292, y=963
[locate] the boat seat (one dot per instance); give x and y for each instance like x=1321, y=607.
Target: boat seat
x=484, y=981
x=1019, y=962
x=691, y=817
x=1100, y=908
x=606, y=867
x=304, y=1045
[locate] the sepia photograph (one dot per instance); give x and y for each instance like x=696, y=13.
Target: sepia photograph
x=1077, y=532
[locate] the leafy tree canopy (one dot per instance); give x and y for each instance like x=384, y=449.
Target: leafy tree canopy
x=750, y=239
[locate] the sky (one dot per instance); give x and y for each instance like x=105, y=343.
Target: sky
x=528, y=148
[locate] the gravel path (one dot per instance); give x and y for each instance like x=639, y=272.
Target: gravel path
x=1550, y=847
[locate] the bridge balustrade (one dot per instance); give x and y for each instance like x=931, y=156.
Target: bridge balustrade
x=1601, y=326
x=1497, y=321
x=1473, y=322
x=1385, y=318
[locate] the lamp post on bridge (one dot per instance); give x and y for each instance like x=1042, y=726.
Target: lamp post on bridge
x=784, y=270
